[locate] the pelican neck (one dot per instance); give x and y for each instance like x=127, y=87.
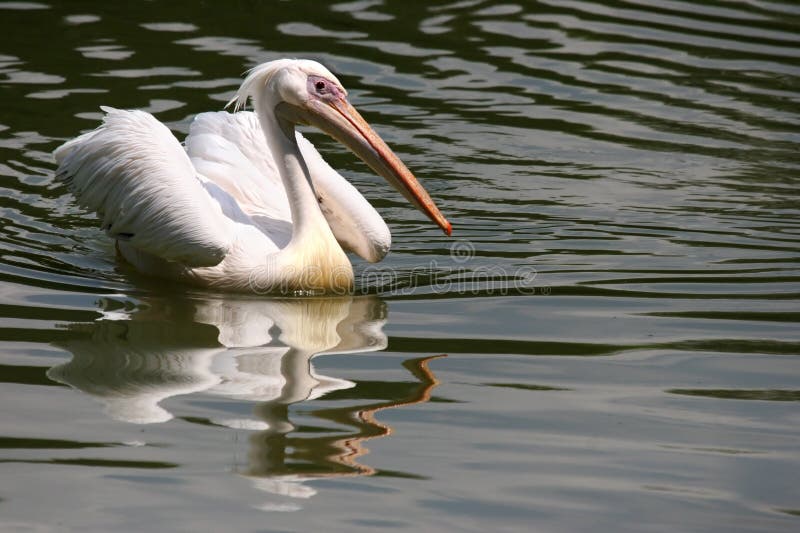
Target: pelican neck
x=307, y=217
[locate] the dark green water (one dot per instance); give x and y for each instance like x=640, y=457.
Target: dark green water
x=617, y=309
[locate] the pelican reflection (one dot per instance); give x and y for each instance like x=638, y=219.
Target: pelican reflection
x=256, y=351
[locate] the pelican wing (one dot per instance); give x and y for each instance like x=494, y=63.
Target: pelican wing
x=231, y=150
x=135, y=175
x=356, y=225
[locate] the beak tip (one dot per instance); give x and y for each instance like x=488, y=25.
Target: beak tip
x=448, y=228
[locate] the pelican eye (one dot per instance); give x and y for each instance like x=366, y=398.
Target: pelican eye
x=323, y=87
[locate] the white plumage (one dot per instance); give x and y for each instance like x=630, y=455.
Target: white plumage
x=136, y=176
x=249, y=204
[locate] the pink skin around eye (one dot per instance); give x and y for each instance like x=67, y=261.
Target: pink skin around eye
x=324, y=88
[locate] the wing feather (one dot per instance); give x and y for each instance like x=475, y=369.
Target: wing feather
x=133, y=172
x=231, y=151
x=356, y=224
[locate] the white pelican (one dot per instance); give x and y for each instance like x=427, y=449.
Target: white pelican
x=249, y=205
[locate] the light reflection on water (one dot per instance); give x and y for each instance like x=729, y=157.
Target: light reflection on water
x=627, y=174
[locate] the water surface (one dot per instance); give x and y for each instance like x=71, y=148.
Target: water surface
x=609, y=342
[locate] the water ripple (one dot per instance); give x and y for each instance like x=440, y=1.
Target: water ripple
x=622, y=179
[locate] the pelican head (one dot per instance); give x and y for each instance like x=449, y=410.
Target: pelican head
x=305, y=92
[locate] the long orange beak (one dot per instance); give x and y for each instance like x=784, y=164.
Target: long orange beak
x=340, y=120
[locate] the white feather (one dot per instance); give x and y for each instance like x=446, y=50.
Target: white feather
x=355, y=223
x=230, y=149
x=135, y=175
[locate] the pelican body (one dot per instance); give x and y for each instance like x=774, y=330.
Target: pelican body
x=248, y=205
